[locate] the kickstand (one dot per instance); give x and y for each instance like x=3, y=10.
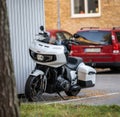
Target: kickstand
x=62, y=96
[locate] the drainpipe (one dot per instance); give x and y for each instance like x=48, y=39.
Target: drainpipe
x=58, y=12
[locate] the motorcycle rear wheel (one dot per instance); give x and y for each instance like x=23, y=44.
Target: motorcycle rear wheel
x=35, y=87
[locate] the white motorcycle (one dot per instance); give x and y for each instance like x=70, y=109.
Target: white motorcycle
x=55, y=71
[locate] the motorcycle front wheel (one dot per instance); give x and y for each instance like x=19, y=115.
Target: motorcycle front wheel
x=35, y=87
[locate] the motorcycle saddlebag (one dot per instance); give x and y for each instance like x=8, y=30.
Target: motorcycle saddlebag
x=86, y=76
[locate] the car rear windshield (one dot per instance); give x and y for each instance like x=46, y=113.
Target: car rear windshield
x=94, y=37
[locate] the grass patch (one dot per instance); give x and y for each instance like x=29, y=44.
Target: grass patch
x=68, y=110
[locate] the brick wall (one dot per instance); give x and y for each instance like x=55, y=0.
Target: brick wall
x=110, y=16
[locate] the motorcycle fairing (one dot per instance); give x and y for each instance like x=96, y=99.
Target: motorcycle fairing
x=49, y=49
x=37, y=72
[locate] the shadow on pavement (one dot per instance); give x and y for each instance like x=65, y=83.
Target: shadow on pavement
x=107, y=71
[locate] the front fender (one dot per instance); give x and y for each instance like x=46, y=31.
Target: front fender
x=37, y=72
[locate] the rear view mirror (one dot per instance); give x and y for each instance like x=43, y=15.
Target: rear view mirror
x=42, y=28
x=76, y=35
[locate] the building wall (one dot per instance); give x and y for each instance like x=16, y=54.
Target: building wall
x=25, y=17
x=110, y=12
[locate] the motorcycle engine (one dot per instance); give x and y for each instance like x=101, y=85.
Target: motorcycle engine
x=62, y=84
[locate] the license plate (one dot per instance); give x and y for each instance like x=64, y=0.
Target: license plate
x=93, y=50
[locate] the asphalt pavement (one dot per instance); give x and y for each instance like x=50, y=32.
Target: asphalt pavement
x=105, y=92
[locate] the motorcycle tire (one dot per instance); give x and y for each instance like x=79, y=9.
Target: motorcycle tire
x=34, y=89
x=72, y=92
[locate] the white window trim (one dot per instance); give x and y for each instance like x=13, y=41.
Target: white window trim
x=86, y=14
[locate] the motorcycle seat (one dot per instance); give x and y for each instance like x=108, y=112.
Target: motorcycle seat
x=73, y=62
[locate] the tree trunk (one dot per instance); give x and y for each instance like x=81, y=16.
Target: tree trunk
x=8, y=97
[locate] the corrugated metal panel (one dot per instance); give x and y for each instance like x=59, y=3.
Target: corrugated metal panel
x=25, y=17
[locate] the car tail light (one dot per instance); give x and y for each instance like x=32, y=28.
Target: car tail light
x=115, y=45
x=116, y=48
x=73, y=49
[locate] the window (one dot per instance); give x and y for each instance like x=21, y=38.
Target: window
x=67, y=35
x=85, y=8
x=60, y=36
x=63, y=35
x=95, y=37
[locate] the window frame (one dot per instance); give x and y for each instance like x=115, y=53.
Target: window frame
x=73, y=15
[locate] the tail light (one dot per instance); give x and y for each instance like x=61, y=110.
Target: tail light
x=115, y=45
x=72, y=49
x=116, y=48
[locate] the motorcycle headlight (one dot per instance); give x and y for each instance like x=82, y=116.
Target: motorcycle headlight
x=42, y=57
x=45, y=58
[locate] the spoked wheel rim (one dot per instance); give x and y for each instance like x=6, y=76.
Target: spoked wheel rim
x=36, y=87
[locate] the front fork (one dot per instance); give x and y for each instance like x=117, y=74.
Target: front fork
x=42, y=77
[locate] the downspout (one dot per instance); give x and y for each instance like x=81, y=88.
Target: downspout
x=43, y=5
x=58, y=12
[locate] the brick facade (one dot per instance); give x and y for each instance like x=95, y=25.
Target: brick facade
x=110, y=16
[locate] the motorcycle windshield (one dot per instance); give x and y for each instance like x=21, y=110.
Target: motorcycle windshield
x=43, y=39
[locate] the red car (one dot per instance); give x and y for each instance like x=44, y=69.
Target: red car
x=99, y=48
x=60, y=34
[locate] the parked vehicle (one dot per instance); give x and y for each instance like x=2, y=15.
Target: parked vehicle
x=62, y=36
x=59, y=34
x=55, y=71
x=98, y=47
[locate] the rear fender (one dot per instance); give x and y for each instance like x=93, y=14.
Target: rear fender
x=37, y=72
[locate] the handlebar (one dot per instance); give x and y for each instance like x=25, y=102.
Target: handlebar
x=67, y=43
